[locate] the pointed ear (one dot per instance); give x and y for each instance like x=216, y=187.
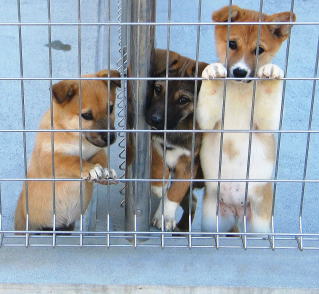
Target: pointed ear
x=64, y=91
x=160, y=57
x=281, y=31
x=222, y=14
x=112, y=74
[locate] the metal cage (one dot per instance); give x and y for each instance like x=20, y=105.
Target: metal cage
x=120, y=215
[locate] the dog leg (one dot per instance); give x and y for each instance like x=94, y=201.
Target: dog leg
x=175, y=195
x=226, y=217
x=269, y=94
x=92, y=172
x=261, y=208
x=183, y=224
x=20, y=220
x=157, y=173
x=210, y=96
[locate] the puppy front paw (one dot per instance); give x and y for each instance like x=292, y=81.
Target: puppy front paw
x=169, y=222
x=101, y=175
x=169, y=215
x=214, y=70
x=270, y=71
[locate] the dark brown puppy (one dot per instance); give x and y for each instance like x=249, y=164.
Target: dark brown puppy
x=179, y=116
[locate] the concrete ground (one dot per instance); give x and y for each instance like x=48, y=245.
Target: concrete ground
x=151, y=266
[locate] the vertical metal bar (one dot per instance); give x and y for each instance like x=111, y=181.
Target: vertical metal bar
x=251, y=124
x=27, y=236
x=109, y=127
x=169, y=17
x=80, y=118
x=122, y=94
x=1, y=234
x=51, y=125
x=221, y=141
x=280, y=127
x=300, y=242
x=141, y=48
x=190, y=200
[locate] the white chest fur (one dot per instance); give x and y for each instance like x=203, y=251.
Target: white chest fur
x=172, y=154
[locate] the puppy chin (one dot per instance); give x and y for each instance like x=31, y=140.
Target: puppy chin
x=97, y=142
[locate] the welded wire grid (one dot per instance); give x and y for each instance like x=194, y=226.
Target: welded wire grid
x=194, y=238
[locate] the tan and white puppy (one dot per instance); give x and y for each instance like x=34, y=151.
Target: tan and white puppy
x=238, y=106
x=97, y=102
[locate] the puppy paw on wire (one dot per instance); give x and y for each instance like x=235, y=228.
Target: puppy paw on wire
x=270, y=71
x=101, y=175
x=214, y=70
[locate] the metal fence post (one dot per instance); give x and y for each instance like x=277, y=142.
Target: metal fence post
x=141, y=47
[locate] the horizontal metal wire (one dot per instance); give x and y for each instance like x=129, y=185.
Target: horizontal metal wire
x=157, y=23
x=108, y=236
x=130, y=233
x=123, y=180
x=150, y=79
x=161, y=131
x=155, y=246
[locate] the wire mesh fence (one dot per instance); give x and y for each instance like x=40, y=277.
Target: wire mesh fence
x=148, y=120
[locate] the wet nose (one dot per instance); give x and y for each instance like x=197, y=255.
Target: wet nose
x=239, y=72
x=105, y=137
x=157, y=118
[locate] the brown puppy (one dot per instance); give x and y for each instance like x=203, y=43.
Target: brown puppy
x=179, y=116
x=96, y=104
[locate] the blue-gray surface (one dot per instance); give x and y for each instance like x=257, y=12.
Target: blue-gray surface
x=154, y=266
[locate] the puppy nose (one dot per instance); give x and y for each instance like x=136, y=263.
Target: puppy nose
x=157, y=118
x=105, y=137
x=239, y=72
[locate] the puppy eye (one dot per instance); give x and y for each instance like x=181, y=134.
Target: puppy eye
x=232, y=45
x=87, y=115
x=111, y=107
x=259, y=51
x=157, y=89
x=183, y=100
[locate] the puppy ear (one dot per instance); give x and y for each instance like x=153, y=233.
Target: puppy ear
x=110, y=73
x=222, y=14
x=160, y=58
x=281, y=31
x=64, y=91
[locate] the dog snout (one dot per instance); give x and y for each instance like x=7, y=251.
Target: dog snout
x=240, y=72
x=108, y=138
x=157, y=119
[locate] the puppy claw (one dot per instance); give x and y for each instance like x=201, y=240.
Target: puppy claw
x=169, y=221
x=101, y=175
x=270, y=71
x=214, y=70
x=169, y=224
x=95, y=173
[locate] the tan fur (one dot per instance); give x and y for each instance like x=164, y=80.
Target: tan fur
x=178, y=190
x=229, y=149
x=237, y=116
x=66, y=112
x=271, y=36
x=158, y=171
